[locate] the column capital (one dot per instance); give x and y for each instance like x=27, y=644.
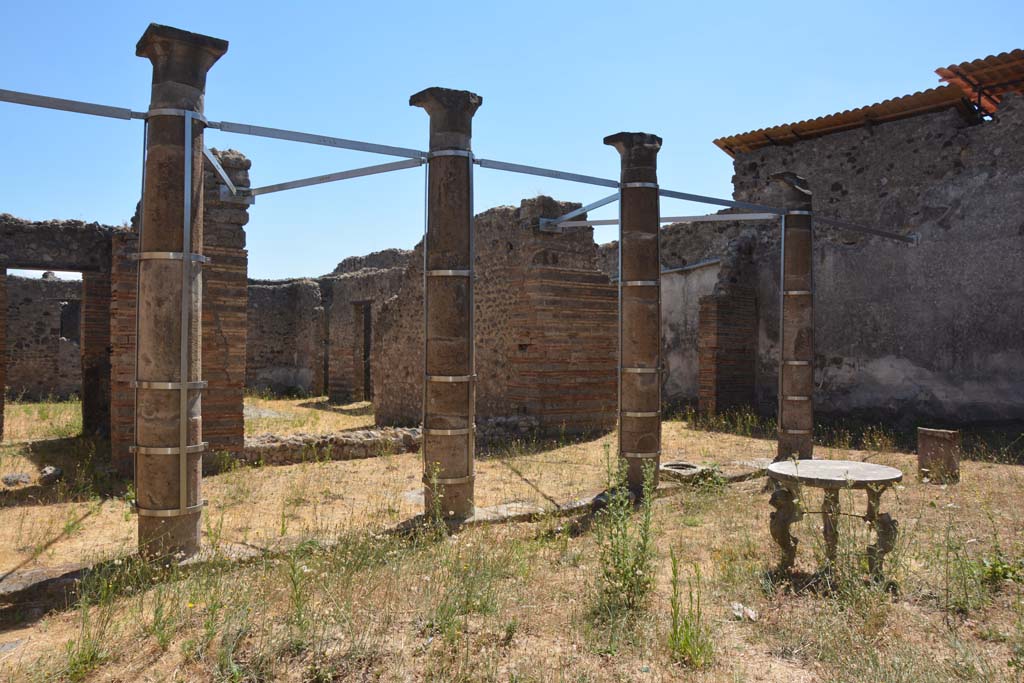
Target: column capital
x=179, y=56
x=639, y=152
x=796, y=193
x=451, y=115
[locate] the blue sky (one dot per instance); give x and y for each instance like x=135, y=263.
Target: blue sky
x=556, y=77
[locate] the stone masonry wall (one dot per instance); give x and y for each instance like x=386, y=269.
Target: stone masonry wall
x=545, y=328
x=40, y=362
x=285, y=348
x=345, y=332
x=931, y=331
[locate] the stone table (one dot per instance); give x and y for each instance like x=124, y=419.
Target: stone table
x=832, y=476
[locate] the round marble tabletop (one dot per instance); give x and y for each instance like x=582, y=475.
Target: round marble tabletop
x=834, y=474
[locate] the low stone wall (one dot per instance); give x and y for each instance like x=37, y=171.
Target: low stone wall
x=353, y=445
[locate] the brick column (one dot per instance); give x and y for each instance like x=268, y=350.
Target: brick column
x=123, y=282
x=168, y=422
x=449, y=383
x=796, y=324
x=3, y=347
x=95, y=345
x=639, y=305
x=225, y=300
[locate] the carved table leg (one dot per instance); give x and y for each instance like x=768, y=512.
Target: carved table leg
x=830, y=516
x=786, y=512
x=886, y=530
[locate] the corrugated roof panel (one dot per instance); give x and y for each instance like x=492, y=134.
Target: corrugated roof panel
x=934, y=99
x=986, y=80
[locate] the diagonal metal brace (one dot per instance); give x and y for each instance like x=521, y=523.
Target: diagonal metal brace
x=555, y=224
x=212, y=158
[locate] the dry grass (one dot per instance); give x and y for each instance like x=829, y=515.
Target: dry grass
x=517, y=603
x=310, y=415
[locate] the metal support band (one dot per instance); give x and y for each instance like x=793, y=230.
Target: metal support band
x=464, y=431
x=175, y=512
x=653, y=186
x=797, y=398
x=640, y=283
x=640, y=413
x=799, y=212
x=640, y=371
x=167, y=256
x=450, y=153
x=797, y=432
x=641, y=456
x=448, y=482
x=140, y=384
x=797, y=362
x=796, y=292
x=195, y=116
x=168, y=450
x=449, y=273
x=450, y=378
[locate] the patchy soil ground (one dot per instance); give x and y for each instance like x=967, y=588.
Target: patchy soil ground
x=334, y=598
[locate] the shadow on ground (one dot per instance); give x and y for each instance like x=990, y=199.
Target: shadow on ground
x=362, y=409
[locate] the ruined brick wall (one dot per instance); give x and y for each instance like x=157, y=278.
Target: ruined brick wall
x=933, y=331
x=285, y=349
x=698, y=261
x=344, y=325
x=123, y=283
x=727, y=350
x=378, y=260
x=41, y=363
x=225, y=295
x=80, y=362
x=95, y=352
x=224, y=320
x=545, y=328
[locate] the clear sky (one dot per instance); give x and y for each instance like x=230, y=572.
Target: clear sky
x=555, y=77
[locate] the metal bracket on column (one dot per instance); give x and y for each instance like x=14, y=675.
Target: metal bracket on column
x=450, y=481
x=450, y=153
x=640, y=371
x=796, y=432
x=796, y=292
x=653, y=186
x=139, y=384
x=167, y=256
x=464, y=431
x=640, y=283
x=797, y=398
x=173, y=512
x=450, y=378
x=796, y=362
x=449, y=273
x=168, y=450
x=640, y=456
x=639, y=413
x=187, y=113
x=186, y=311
